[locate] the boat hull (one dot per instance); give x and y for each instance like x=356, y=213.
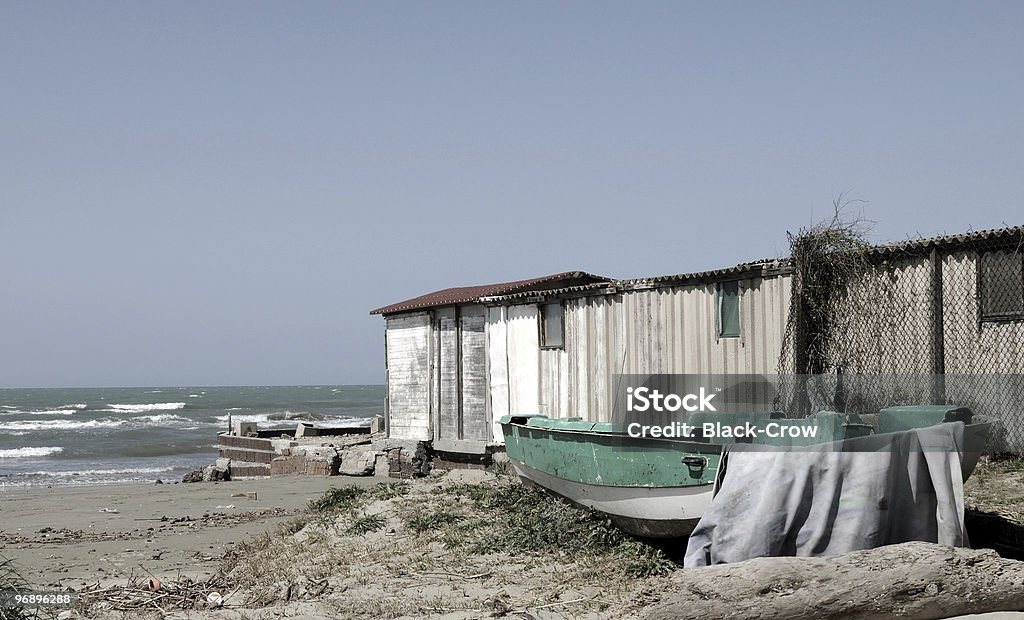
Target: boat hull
x=651, y=512
x=654, y=488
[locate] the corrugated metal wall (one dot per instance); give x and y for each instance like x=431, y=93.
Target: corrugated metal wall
x=970, y=347
x=669, y=330
x=884, y=323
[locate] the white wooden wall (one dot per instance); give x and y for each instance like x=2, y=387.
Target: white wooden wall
x=446, y=416
x=475, y=415
x=408, y=380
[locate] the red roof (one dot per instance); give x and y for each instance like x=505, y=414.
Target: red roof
x=468, y=294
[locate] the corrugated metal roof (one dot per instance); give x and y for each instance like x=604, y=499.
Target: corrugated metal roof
x=743, y=269
x=467, y=294
x=609, y=286
x=993, y=236
x=757, y=268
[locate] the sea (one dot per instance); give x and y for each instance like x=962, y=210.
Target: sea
x=93, y=436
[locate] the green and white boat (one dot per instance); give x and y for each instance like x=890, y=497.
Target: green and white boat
x=659, y=488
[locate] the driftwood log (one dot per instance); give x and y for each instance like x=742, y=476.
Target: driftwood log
x=912, y=580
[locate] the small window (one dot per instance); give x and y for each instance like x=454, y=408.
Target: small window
x=729, y=309
x=551, y=326
x=1001, y=286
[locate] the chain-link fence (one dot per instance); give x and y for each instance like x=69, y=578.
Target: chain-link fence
x=929, y=322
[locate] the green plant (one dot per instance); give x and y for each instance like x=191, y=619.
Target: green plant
x=432, y=520
x=338, y=499
x=390, y=490
x=527, y=520
x=366, y=524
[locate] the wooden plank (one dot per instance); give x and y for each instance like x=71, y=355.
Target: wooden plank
x=497, y=354
x=448, y=374
x=475, y=425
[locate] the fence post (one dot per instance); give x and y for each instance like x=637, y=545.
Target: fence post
x=938, y=394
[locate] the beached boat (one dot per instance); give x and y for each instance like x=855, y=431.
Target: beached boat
x=660, y=487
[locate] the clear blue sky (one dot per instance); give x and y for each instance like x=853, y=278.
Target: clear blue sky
x=218, y=192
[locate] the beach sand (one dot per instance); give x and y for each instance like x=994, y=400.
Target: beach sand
x=97, y=538
x=69, y=537
x=65, y=536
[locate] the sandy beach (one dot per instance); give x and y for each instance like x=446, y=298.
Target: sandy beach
x=104, y=538
x=72, y=537
x=458, y=546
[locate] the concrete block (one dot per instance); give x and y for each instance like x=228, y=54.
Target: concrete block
x=377, y=424
x=212, y=474
x=279, y=445
x=358, y=461
x=306, y=429
x=242, y=429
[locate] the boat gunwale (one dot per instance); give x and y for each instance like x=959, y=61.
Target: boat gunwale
x=616, y=435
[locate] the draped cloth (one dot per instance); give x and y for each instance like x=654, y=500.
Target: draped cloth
x=833, y=498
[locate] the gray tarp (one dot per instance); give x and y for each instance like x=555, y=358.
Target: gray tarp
x=834, y=498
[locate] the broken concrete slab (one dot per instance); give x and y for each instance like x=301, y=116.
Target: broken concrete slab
x=358, y=461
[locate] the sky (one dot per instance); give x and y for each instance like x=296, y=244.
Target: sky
x=217, y=193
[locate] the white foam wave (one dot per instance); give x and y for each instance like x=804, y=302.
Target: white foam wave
x=64, y=410
x=106, y=472
x=149, y=407
x=42, y=425
x=161, y=418
x=90, y=476
x=256, y=417
x=28, y=452
x=293, y=417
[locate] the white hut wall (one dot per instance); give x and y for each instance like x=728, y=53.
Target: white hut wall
x=408, y=352
x=984, y=360
x=513, y=357
x=973, y=346
x=664, y=330
x=461, y=369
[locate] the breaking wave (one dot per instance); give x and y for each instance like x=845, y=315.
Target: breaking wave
x=28, y=452
x=143, y=408
x=290, y=416
x=163, y=419
x=160, y=418
x=62, y=410
x=41, y=425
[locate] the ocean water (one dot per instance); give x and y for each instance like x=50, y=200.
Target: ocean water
x=51, y=437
